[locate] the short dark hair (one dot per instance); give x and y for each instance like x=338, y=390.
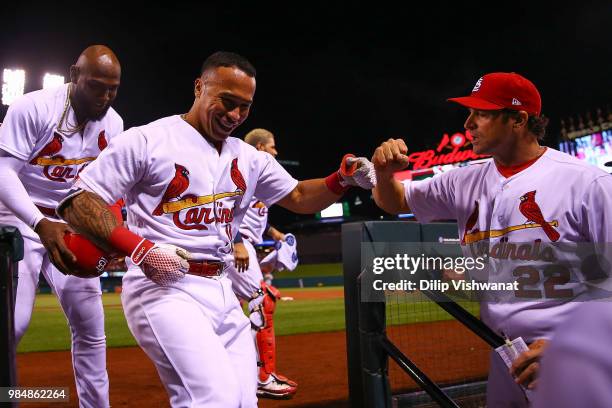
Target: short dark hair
x=228, y=59
x=535, y=124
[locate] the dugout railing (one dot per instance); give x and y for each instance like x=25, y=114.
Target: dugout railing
x=369, y=348
x=11, y=252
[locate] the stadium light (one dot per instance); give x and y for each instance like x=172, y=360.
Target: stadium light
x=52, y=80
x=13, y=82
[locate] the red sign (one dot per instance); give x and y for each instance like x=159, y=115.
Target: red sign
x=458, y=149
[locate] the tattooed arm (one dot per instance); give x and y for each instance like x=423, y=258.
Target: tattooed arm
x=89, y=215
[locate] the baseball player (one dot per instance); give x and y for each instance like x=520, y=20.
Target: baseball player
x=47, y=138
x=249, y=285
x=527, y=194
x=186, y=182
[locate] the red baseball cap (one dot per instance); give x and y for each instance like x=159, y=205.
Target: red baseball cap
x=503, y=90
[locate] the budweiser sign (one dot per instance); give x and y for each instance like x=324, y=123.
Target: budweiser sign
x=454, y=149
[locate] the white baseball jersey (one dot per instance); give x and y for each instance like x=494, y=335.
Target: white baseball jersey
x=53, y=160
x=179, y=190
x=254, y=222
x=577, y=366
x=556, y=199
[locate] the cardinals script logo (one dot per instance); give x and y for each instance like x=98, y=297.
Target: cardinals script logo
x=261, y=208
x=58, y=168
x=534, y=219
x=193, y=212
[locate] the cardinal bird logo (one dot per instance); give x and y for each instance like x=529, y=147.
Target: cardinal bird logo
x=237, y=176
x=102, y=143
x=531, y=210
x=51, y=149
x=471, y=222
x=176, y=187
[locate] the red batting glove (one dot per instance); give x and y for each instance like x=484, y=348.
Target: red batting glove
x=335, y=181
x=354, y=171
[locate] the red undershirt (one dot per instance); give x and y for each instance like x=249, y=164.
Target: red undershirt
x=509, y=171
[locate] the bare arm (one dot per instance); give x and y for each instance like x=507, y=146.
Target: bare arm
x=89, y=215
x=275, y=234
x=389, y=194
x=308, y=197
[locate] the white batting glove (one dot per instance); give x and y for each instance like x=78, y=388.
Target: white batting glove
x=357, y=171
x=165, y=264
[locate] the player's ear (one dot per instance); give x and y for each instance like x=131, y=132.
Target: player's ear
x=197, y=91
x=520, y=119
x=74, y=74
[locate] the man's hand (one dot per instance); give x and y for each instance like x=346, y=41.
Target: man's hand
x=52, y=237
x=390, y=157
x=241, y=257
x=276, y=234
x=389, y=194
x=358, y=172
x=164, y=264
x=526, y=367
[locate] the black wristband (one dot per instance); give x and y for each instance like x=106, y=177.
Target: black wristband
x=238, y=238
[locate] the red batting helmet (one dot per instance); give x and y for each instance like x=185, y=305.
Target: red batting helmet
x=90, y=259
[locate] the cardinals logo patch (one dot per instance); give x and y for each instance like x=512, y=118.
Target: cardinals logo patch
x=51, y=149
x=471, y=223
x=528, y=208
x=176, y=187
x=237, y=176
x=531, y=210
x=58, y=168
x=102, y=143
x=190, y=211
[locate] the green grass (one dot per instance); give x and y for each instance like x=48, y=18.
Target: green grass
x=49, y=329
x=309, y=316
x=307, y=271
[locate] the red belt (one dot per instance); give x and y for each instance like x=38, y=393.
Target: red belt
x=49, y=212
x=206, y=268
